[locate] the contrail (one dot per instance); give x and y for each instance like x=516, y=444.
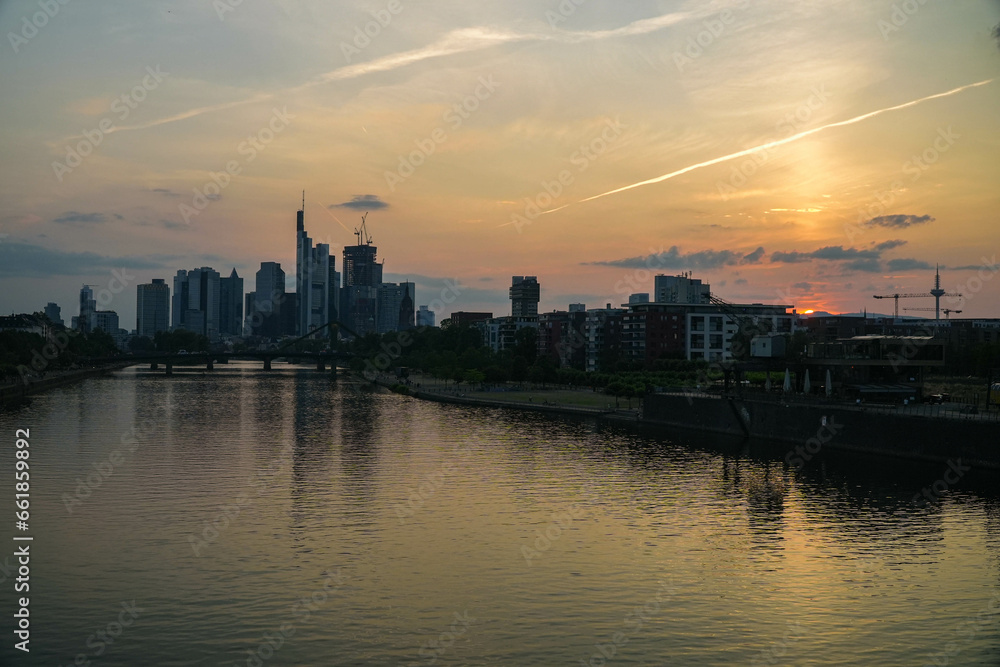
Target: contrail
x=192, y=113
x=463, y=40
x=779, y=142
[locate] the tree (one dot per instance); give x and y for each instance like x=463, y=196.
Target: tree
x=141, y=344
x=526, y=344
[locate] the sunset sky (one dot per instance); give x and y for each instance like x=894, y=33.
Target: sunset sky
x=455, y=124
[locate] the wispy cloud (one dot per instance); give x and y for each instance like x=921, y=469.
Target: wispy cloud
x=675, y=259
x=908, y=264
x=463, y=40
x=868, y=260
x=899, y=221
x=27, y=260
x=75, y=217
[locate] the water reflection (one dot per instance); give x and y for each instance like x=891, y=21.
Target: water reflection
x=752, y=545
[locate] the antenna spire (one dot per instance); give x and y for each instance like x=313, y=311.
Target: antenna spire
x=303, y=200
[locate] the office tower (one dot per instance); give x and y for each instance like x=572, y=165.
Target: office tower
x=88, y=306
x=425, y=317
x=288, y=318
x=524, y=296
x=196, y=302
x=362, y=275
x=407, y=305
x=106, y=321
x=333, y=303
x=249, y=308
x=54, y=313
x=180, y=299
x=152, y=307
x=231, y=305
x=395, y=307
x=270, y=299
x=314, y=268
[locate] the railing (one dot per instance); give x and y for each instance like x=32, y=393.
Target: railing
x=954, y=409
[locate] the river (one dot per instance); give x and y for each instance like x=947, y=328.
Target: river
x=238, y=517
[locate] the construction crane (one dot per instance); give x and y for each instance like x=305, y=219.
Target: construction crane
x=362, y=233
x=946, y=311
x=937, y=293
x=897, y=297
x=749, y=325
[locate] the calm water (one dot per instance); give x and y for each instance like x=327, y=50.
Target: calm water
x=282, y=519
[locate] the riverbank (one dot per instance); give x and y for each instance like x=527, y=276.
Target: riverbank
x=579, y=402
x=918, y=433
x=14, y=394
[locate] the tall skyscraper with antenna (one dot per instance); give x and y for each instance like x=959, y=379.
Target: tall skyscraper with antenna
x=314, y=271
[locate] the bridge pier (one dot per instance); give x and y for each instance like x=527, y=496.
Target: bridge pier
x=154, y=366
x=320, y=365
x=267, y=364
x=210, y=366
x=170, y=368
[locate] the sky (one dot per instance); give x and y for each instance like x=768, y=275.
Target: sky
x=811, y=153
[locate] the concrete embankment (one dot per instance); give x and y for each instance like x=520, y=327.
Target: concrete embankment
x=882, y=431
x=18, y=393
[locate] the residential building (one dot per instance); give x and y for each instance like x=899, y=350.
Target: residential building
x=652, y=331
x=562, y=337
x=680, y=289
x=638, y=298
x=710, y=328
x=524, y=296
x=500, y=333
x=26, y=323
x=465, y=318
x=603, y=330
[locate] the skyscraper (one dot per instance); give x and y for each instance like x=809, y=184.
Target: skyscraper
x=180, y=300
x=197, y=301
x=333, y=303
x=425, y=317
x=269, y=300
x=314, y=268
x=395, y=307
x=231, y=305
x=152, y=308
x=359, y=292
x=88, y=306
x=54, y=313
x=524, y=296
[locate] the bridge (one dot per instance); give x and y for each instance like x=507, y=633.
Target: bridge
x=171, y=359
x=209, y=359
